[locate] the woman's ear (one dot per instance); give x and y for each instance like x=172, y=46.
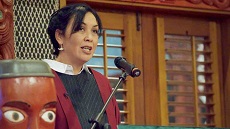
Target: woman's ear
x=59, y=36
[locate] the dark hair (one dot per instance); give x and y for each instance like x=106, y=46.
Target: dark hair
x=60, y=19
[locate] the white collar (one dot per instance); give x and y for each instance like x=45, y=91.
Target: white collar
x=64, y=68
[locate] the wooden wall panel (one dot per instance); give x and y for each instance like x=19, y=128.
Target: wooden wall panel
x=225, y=32
x=216, y=77
x=150, y=70
x=107, y=21
x=133, y=54
x=186, y=26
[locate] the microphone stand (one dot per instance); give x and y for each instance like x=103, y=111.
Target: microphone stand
x=99, y=116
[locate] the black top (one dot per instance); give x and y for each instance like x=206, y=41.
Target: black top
x=85, y=97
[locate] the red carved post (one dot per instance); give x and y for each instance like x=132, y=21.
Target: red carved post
x=6, y=30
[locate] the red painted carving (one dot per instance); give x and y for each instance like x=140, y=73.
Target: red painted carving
x=208, y=2
x=222, y=4
x=6, y=30
x=168, y=1
x=199, y=4
x=195, y=1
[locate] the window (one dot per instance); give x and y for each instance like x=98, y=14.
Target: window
x=190, y=66
x=189, y=80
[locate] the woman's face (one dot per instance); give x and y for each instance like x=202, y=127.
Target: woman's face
x=80, y=46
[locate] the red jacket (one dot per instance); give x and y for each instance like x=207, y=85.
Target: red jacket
x=66, y=118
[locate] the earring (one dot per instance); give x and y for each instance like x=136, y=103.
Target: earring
x=61, y=48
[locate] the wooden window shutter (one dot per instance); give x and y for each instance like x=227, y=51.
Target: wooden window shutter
x=189, y=84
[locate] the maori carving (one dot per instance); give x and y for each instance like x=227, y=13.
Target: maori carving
x=222, y=4
x=208, y=2
x=6, y=30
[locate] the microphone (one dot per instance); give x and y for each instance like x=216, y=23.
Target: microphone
x=130, y=69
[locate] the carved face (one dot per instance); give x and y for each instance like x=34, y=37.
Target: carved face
x=27, y=103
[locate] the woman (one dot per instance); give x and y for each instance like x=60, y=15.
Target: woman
x=74, y=31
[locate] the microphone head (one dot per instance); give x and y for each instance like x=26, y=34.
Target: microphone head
x=130, y=69
x=117, y=60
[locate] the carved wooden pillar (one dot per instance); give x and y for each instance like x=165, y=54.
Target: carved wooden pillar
x=6, y=30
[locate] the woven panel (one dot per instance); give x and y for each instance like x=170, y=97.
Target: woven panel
x=31, y=19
